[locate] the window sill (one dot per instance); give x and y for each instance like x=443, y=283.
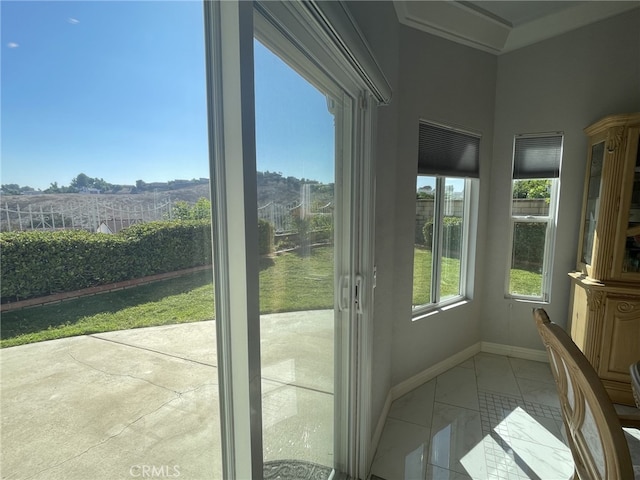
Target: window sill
x=538, y=300
x=423, y=312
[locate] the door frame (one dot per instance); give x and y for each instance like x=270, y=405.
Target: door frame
x=232, y=137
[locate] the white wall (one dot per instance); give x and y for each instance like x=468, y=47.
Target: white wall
x=562, y=84
x=451, y=84
x=438, y=80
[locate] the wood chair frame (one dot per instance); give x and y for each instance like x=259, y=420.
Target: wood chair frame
x=594, y=429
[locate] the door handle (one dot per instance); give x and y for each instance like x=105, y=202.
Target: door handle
x=344, y=294
x=358, y=294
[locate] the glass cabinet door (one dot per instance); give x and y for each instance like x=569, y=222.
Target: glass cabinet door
x=593, y=201
x=631, y=262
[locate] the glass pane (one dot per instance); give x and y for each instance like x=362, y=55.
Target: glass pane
x=531, y=197
x=295, y=137
x=593, y=201
x=452, y=237
x=104, y=134
x=525, y=277
x=423, y=248
x=632, y=246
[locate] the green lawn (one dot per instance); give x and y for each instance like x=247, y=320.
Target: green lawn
x=450, y=277
x=522, y=282
x=288, y=282
x=179, y=300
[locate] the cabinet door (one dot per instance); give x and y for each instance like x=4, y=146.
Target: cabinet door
x=591, y=207
x=630, y=228
x=621, y=338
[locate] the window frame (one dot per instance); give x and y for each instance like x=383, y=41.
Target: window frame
x=311, y=26
x=551, y=220
x=470, y=194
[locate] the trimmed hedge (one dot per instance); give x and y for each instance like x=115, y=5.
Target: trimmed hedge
x=528, y=243
x=452, y=232
x=41, y=263
x=37, y=263
x=265, y=237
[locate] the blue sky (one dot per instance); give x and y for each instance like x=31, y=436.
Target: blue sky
x=116, y=90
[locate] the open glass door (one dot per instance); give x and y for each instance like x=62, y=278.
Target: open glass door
x=304, y=210
x=288, y=128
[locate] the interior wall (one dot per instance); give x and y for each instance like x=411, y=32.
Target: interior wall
x=451, y=84
x=562, y=84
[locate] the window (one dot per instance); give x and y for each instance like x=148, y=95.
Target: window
x=536, y=170
x=447, y=169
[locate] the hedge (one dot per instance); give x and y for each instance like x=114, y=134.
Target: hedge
x=265, y=237
x=452, y=233
x=528, y=241
x=37, y=263
x=528, y=246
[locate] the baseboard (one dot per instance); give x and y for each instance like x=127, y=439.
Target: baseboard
x=516, y=352
x=414, y=382
x=377, y=433
x=430, y=373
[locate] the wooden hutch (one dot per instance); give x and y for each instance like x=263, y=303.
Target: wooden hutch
x=605, y=295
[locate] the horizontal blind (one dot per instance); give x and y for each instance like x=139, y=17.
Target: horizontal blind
x=447, y=152
x=537, y=156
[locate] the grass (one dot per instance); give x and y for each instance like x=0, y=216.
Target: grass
x=521, y=282
x=288, y=282
x=179, y=300
x=449, y=279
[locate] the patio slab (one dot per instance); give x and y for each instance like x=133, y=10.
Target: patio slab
x=115, y=405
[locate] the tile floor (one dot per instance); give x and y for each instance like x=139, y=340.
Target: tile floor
x=491, y=417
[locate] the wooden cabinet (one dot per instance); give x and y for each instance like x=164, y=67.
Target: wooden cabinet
x=605, y=294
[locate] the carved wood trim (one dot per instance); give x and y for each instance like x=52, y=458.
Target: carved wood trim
x=616, y=137
x=595, y=299
x=627, y=308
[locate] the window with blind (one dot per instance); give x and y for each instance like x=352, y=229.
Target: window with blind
x=448, y=166
x=534, y=200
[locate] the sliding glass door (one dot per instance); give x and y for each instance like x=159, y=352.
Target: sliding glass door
x=286, y=133
x=304, y=207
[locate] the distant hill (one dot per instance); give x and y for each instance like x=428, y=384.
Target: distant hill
x=153, y=201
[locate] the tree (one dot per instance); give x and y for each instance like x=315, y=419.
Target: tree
x=201, y=210
x=11, y=189
x=81, y=181
x=532, y=188
x=422, y=195
x=182, y=210
x=53, y=188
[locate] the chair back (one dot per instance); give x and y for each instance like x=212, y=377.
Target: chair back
x=594, y=433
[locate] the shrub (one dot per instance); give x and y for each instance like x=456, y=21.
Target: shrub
x=159, y=247
x=37, y=263
x=452, y=234
x=528, y=246
x=265, y=237
x=40, y=263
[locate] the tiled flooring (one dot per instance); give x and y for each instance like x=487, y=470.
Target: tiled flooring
x=491, y=417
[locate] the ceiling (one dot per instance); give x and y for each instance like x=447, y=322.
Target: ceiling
x=502, y=26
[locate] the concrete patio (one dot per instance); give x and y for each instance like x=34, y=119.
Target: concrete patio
x=134, y=403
